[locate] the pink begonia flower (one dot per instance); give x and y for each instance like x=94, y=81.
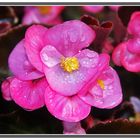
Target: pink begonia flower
x=56, y=68
x=127, y=54
x=97, y=8
x=49, y=15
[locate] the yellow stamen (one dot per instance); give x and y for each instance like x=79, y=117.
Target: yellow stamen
x=101, y=84
x=44, y=9
x=70, y=64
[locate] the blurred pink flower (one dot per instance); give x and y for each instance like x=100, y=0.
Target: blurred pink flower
x=114, y=8
x=93, y=9
x=97, y=8
x=127, y=54
x=54, y=68
x=49, y=15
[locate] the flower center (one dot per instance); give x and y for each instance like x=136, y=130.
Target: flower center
x=44, y=9
x=101, y=84
x=69, y=64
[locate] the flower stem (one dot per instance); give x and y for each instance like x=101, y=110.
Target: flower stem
x=73, y=128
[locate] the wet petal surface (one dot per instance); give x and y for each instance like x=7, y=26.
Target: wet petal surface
x=21, y=66
x=29, y=94
x=34, y=42
x=106, y=92
x=50, y=56
x=131, y=61
x=70, y=37
x=70, y=83
x=70, y=109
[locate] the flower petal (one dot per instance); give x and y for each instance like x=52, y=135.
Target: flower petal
x=131, y=61
x=134, y=45
x=34, y=42
x=69, y=84
x=114, y=8
x=70, y=109
x=93, y=9
x=88, y=58
x=116, y=55
x=20, y=65
x=29, y=94
x=5, y=88
x=102, y=65
x=134, y=24
x=73, y=128
x=108, y=96
x=70, y=37
x=31, y=16
x=50, y=56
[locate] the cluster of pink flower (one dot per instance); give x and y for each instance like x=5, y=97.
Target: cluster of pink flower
x=52, y=67
x=127, y=54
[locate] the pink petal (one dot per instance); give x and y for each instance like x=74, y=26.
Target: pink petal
x=108, y=97
x=70, y=109
x=73, y=128
x=114, y=8
x=29, y=94
x=134, y=45
x=102, y=65
x=34, y=42
x=69, y=84
x=50, y=56
x=116, y=55
x=87, y=58
x=70, y=37
x=93, y=9
x=5, y=88
x=31, y=16
x=131, y=61
x=20, y=65
x=134, y=24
